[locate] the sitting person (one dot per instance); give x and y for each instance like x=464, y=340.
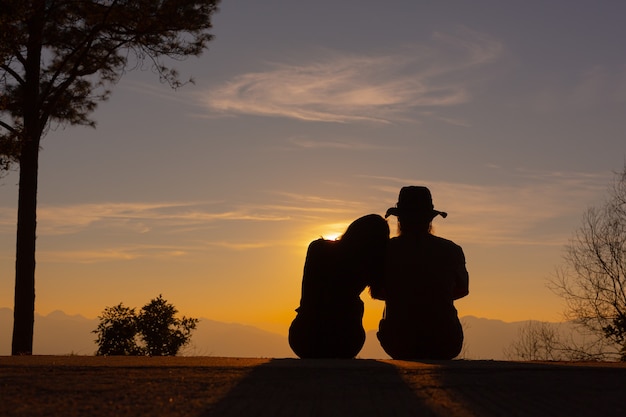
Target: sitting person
x=424, y=274
x=328, y=323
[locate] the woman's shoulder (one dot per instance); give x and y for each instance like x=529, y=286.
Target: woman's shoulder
x=319, y=254
x=322, y=245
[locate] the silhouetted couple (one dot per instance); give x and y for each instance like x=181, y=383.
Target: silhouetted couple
x=417, y=274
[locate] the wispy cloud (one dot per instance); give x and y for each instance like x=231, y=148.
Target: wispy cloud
x=134, y=217
x=241, y=245
x=96, y=254
x=127, y=231
x=141, y=217
x=346, y=88
x=529, y=208
x=157, y=231
x=350, y=145
x=311, y=206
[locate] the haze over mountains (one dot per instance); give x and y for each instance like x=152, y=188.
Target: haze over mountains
x=60, y=334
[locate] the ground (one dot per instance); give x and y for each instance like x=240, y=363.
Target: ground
x=69, y=386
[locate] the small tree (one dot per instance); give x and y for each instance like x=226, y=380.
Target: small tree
x=593, y=279
x=543, y=341
x=536, y=341
x=162, y=333
x=155, y=331
x=117, y=332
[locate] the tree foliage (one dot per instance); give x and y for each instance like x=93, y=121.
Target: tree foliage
x=58, y=60
x=155, y=331
x=162, y=333
x=117, y=331
x=592, y=280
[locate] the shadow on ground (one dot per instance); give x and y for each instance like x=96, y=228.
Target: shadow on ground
x=518, y=389
x=364, y=388
x=532, y=389
x=295, y=387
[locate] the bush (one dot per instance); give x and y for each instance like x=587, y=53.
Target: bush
x=117, y=331
x=155, y=331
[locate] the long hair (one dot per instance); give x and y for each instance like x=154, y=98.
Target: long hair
x=414, y=225
x=365, y=245
x=371, y=227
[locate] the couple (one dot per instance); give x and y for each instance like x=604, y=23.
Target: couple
x=417, y=274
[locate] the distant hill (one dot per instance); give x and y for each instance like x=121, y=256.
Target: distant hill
x=60, y=334
x=214, y=338
x=488, y=338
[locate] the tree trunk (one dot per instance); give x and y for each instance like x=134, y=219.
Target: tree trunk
x=24, y=311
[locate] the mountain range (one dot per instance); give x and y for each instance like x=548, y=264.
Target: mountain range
x=61, y=334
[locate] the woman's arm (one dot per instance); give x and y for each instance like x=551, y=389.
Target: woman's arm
x=461, y=280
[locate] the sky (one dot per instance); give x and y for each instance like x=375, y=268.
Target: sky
x=307, y=115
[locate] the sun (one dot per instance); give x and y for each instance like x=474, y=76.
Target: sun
x=327, y=231
x=332, y=235
x=334, y=230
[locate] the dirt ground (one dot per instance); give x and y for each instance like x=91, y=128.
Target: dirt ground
x=69, y=386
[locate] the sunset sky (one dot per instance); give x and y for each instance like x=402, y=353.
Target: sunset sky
x=308, y=114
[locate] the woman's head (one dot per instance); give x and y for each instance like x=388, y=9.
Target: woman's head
x=364, y=245
x=370, y=229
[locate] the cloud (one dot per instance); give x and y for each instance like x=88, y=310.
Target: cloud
x=310, y=206
x=127, y=231
x=143, y=217
x=527, y=208
x=347, y=88
x=111, y=254
x=241, y=245
x=349, y=145
x=136, y=217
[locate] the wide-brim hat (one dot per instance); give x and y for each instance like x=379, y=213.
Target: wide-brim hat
x=415, y=201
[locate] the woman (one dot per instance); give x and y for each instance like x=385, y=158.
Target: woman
x=424, y=275
x=328, y=323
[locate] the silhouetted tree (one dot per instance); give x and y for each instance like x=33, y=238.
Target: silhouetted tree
x=536, y=340
x=155, y=331
x=593, y=279
x=543, y=341
x=117, y=332
x=57, y=59
x=163, y=333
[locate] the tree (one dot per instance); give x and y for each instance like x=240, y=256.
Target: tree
x=117, y=331
x=154, y=332
x=536, y=341
x=543, y=341
x=162, y=333
x=592, y=280
x=57, y=60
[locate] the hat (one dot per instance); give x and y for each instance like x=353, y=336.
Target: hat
x=415, y=200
